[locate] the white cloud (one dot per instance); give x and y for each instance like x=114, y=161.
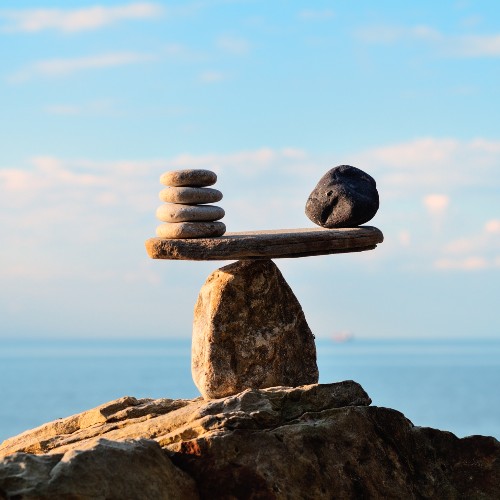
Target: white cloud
x=447, y=45
x=467, y=264
x=485, y=241
x=316, y=15
x=476, y=251
x=91, y=107
x=94, y=194
x=75, y=20
x=53, y=68
x=391, y=34
x=423, y=165
x=212, y=76
x=492, y=226
x=475, y=46
x=266, y=188
x=295, y=153
x=182, y=52
x=404, y=238
x=257, y=159
x=436, y=204
x=63, y=109
x=463, y=245
x=414, y=174
x=62, y=184
x=233, y=45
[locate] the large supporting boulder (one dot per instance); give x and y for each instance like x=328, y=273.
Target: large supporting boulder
x=250, y=332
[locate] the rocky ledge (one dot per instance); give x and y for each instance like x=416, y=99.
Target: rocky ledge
x=315, y=441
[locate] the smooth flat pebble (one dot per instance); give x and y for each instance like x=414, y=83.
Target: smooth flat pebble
x=190, y=195
x=174, y=212
x=180, y=230
x=194, y=177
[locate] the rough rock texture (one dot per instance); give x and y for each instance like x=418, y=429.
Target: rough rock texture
x=171, y=422
x=269, y=244
x=189, y=177
x=344, y=197
x=175, y=212
x=180, y=230
x=249, y=331
x=312, y=442
x=190, y=195
x=105, y=469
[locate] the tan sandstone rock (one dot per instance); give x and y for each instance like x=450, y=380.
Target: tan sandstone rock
x=104, y=470
x=170, y=422
x=311, y=442
x=249, y=331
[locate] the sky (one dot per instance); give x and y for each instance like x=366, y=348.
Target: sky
x=98, y=100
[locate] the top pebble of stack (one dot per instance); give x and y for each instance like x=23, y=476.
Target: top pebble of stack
x=194, y=178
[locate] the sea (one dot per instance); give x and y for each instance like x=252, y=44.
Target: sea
x=451, y=385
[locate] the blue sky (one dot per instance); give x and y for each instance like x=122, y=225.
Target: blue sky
x=97, y=100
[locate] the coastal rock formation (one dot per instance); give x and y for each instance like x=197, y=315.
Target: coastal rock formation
x=249, y=331
x=344, y=197
x=103, y=469
x=316, y=441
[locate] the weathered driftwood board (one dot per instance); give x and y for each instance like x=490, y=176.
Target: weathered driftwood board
x=273, y=244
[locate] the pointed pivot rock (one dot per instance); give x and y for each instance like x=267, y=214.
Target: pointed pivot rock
x=344, y=197
x=250, y=332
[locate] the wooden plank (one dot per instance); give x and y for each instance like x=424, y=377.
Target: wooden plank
x=273, y=244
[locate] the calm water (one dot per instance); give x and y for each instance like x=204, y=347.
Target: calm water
x=451, y=385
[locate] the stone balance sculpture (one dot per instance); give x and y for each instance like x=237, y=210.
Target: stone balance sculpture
x=249, y=329
x=312, y=441
x=185, y=213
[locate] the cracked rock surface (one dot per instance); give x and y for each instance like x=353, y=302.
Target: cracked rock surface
x=249, y=331
x=314, y=441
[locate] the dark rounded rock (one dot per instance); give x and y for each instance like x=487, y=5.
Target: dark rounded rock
x=344, y=197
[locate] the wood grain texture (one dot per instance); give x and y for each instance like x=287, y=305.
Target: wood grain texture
x=273, y=244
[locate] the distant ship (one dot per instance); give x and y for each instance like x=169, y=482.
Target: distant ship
x=344, y=336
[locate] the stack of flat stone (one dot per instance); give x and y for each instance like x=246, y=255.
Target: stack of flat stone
x=249, y=330
x=185, y=213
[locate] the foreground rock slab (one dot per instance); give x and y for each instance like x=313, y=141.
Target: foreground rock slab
x=249, y=331
x=106, y=469
x=172, y=421
x=272, y=244
x=311, y=442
